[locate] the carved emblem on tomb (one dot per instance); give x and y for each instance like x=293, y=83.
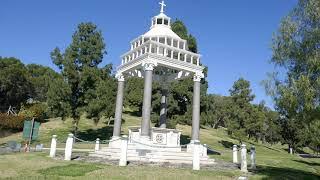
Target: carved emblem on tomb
x=159, y=138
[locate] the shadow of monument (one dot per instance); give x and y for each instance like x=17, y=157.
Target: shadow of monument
x=297, y=151
x=226, y=144
x=270, y=172
x=137, y=113
x=184, y=139
x=308, y=163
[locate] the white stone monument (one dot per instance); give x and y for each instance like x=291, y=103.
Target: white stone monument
x=158, y=55
x=196, y=156
x=235, y=154
x=53, y=146
x=68, y=148
x=97, y=145
x=244, y=167
x=124, y=148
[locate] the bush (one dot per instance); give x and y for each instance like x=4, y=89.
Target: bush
x=37, y=111
x=11, y=122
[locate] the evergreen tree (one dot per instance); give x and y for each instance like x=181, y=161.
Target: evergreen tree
x=41, y=77
x=85, y=87
x=296, y=48
x=15, y=88
x=241, y=112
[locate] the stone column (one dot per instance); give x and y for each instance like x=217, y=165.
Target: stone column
x=163, y=109
x=124, y=148
x=68, y=148
x=53, y=146
x=244, y=167
x=235, y=154
x=119, y=106
x=196, y=107
x=97, y=146
x=147, y=94
x=196, y=156
x=253, y=157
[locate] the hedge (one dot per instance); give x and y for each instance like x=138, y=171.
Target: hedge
x=11, y=122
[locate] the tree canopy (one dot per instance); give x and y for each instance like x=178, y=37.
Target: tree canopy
x=296, y=49
x=85, y=87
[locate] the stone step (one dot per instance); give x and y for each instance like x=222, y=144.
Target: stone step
x=152, y=156
x=175, y=161
x=115, y=153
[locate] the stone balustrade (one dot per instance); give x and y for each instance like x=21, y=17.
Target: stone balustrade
x=162, y=49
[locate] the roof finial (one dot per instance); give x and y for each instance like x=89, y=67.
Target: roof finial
x=162, y=6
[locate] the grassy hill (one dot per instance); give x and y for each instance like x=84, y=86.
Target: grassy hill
x=272, y=161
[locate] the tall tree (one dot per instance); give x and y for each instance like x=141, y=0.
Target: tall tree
x=87, y=87
x=241, y=95
x=216, y=110
x=14, y=85
x=296, y=48
x=41, y=77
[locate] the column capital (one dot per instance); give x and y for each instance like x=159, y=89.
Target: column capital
x=198, y=76
x=149, y=66
x=120, y=76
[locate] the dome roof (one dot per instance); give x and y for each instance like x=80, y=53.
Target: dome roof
x=161, y=30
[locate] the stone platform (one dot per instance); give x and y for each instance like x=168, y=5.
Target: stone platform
x=162, y=147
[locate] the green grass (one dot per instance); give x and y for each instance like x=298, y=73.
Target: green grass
x=273, y=162
x=38, y=166
x=69, y=170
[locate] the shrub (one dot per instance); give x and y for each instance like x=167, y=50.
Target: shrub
x=11, y=122
x=37, y=111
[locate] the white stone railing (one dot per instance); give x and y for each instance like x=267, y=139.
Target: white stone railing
x=163, y=50
x=167, y=40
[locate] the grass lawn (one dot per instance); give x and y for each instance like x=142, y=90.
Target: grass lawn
x=38, y=166
x=273, y=162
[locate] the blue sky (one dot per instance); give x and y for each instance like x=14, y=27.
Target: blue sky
x=233, y=36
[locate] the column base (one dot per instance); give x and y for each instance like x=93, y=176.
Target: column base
x=203, y=149
x=115, y=142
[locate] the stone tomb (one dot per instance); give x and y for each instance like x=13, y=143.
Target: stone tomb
x=160, y=138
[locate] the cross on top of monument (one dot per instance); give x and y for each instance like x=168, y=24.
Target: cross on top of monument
x=162, y=6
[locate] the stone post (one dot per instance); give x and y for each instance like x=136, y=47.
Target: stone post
x=68, y=148
x=124, y=148
x=196, y=156
x=119, y=106
x=147, y=94
x=244, y=158
x=196, y=107
x=53, y=146
x=235, y=154
x=291, y=150
x=97, y=146
x=253, y=157
x=163, y=110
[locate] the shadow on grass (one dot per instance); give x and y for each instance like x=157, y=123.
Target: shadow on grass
x=270, y=172
x=298, y=151
x=309, y=156
x=272, y=148
x=307, y=163
x=226, y=144
x=133, y=113
x=104, y=133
